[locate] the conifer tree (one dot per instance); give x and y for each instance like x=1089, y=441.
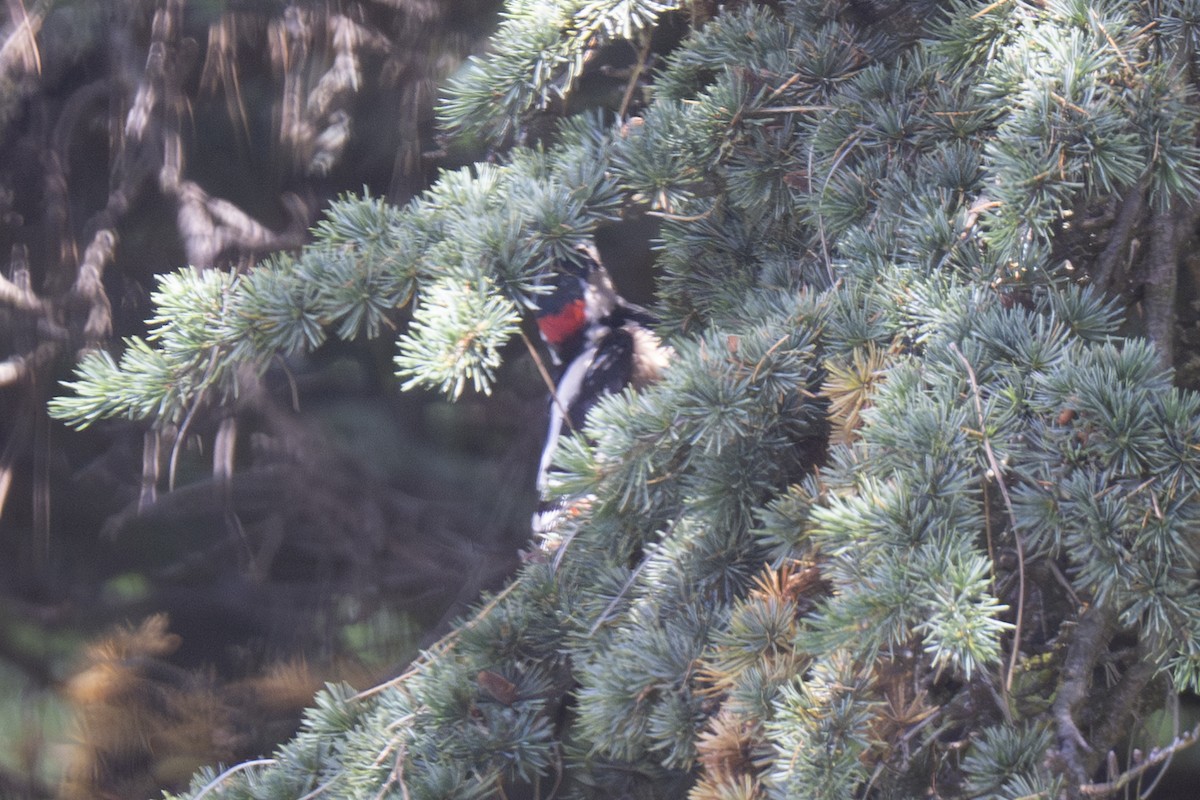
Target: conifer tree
x=911, y=509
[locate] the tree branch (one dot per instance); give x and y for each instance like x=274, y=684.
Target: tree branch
x=1161, y=277
x=1123, y=701
x=1112, y=264
x=1156, y=757
x=1093, y=632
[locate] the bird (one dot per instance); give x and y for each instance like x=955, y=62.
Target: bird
x=600, y=343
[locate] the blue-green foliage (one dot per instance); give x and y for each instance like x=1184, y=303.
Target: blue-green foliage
x=885, y=376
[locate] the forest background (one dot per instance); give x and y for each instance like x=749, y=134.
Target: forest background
x=339, y=537
x=901, y=244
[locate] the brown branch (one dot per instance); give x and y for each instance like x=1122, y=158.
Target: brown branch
x=988, y=9
x=1112, y=264
x=1156, y=757
x=1123, y=700
x=211, y=225
x=89, y=286
x=550, y=385
x=17, y=368
x=19, y=438
x=775, y=111
x=245, y=765
x=87, y=295
x=289, y=45
x=1168, y=230
x=20, y=48
x=635, y=75
x=220, y=71
x=20, y=297
x=1093, y=632
x=151, y=468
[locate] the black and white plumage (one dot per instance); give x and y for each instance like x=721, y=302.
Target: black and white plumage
x=602, y=344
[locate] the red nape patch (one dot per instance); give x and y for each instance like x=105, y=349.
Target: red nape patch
x=561, y=325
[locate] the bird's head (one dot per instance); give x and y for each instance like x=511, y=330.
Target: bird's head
x=580, y=294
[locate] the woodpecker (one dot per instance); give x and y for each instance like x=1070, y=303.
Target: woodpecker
x=601, y=344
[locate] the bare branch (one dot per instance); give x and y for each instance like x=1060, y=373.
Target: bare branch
x=1156, y=757
x=15, y=368
x=17, y=293
x=1168, y=230
x=1124, y=699
x=90, y=288
x=211, y=226
x=998, y=476
x=1113, y=264
x=1092, y=634
x=20, y=50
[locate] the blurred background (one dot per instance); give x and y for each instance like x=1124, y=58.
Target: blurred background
x=173, y=600
x=324, y=527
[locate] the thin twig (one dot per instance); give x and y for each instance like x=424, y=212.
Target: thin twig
x=396, y=776
x=291, y=379
x=19, y=367
x=839, y=155
x=440, y=646
x=682, y=217
x=317, y=792
x=988, y=9
x=628, y=584
x=245, y=765
x=558, y=775
x=20, y=297
x=1173, y=702
x=1063, y=582
x=187, y=419
x=774, y=111
x=1156, y=757
x=783, y=339
x=620, y=595
x=1112, y=42
x=545, y=373
x=638, y=69
x=23, y=38
x=783, y=87
x=998, y=474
